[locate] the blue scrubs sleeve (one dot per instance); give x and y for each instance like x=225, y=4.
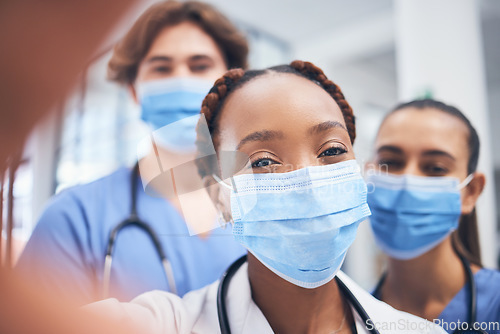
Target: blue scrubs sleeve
x=65, y=254
x=57, y=257
x=488, y=304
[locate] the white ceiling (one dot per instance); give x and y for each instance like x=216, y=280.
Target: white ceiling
x=293, y=21
x=362, y=29
x=296, y=21
x=305, y=25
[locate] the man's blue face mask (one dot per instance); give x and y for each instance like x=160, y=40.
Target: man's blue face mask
x=300, y=224
x=413, y=214
x=178, y=100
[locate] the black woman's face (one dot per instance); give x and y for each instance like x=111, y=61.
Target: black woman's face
x=284, y=122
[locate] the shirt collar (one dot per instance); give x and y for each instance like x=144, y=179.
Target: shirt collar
x=245, y=316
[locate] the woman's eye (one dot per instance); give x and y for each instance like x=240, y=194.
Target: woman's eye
x=390, y=164
x=161, y=69
x=200, y=68
x=261, y=163
x=436, y=170
x=333, y=151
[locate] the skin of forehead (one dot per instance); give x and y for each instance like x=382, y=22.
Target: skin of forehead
x=417, y=130
x=264, y=102
x=178, y=38
x=183, y=40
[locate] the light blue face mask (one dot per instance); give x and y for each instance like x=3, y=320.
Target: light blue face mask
x=178, y=100
x=413, y=214
x=300, y=224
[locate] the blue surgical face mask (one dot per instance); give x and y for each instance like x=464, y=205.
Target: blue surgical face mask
x=413, y=214
x=175, y=102
x=300, y=224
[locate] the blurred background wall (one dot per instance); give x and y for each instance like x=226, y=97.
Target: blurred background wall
x=380, y=52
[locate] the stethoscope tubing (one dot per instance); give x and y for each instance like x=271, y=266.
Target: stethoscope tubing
x=473, y=299
x=222, y=293
x=472, y=316
x=135, y=221
x=224, y=286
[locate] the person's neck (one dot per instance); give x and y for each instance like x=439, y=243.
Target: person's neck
x=183, y=180
x=162, y=161
x=425, y=285
x=292, y=309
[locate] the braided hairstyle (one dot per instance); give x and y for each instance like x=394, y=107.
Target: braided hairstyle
x=237, y=78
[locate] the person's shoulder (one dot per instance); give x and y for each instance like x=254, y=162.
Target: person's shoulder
x=114, y=182
x=490, y=275
x=488, y=286
x=74, y=203
x=196, y=311
x=151, y=312
x=384, y=317
x=489, y=280
x=160, y=299
x=119, y=176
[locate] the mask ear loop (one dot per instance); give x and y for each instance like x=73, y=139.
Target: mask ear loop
x=222, y=221
x=222, y=183
x=465, y=182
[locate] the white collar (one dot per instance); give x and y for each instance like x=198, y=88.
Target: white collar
x=239, y=297
x=246, y=318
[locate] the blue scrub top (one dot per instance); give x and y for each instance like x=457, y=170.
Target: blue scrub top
x=66, y=251
x=487, y=309
x=488, y=303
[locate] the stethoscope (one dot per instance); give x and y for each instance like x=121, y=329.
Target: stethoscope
x=228, y=275
x=472, y=301
x=134, y=220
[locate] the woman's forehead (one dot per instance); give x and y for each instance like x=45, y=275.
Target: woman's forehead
x=424, y=129
x=275, y=97
x=184, y=39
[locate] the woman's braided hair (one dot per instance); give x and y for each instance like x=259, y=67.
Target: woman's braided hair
x=236, y=78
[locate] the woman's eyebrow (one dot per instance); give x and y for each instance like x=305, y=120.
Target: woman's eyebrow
x=154, y=59
x=200, y=57
x=390, y=148
x=438, y=153
x=264, y=135
x=321, y=127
